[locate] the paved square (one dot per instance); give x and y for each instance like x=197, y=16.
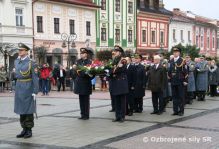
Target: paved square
x=58, y=126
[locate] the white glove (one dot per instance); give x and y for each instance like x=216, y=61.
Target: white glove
x=107, y=70
x=198, y=69
x=185, y=83
x=34, y=95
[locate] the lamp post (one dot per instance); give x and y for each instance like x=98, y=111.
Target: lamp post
x=69, y=39
x=5, y=50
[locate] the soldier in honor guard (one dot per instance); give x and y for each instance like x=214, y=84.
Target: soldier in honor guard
x=191, y=79
x=27, y=87
x=119, y=84
x=83, y=86
x=178, y=76
x=201, y=78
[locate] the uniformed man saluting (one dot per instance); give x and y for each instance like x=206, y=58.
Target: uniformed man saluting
x=26, y=89
x=119, y=82
x=178, y=75
x=83, y=86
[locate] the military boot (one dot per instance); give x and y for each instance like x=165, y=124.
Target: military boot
x=28, y=134
x=21, y=135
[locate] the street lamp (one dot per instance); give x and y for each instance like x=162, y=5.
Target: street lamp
x=68, y=39
x=6, y=51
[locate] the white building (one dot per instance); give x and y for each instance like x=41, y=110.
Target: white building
x=15, y=25
x=180, y=30
x=52, y=19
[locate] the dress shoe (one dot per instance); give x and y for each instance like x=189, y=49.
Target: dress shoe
x=181, y=114
x=81, y=118
x=115, y=120
x=130, y=114
x=159, y=113
x=112, y=110
x=121, y=120
x=21, y=135
x=154, y=112
x=28, y=134
x=175, y=114
x=85, y=118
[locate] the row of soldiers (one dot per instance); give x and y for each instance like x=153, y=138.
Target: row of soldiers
x=127, y=79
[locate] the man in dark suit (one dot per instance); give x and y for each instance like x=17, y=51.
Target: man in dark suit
x=140, y=83
x=119, y=83
x=156, y=79
x=83, y=86
x=61, y=78
x=178, y=75
x=131, y=84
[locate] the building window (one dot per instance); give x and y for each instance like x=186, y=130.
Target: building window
x=103, y=5
x=208, y=42
x=174, y=34
x=197, y=41
x=56, y=25
x=103, y=34
x=144, y=36
x=181, y=35
x=117, y=5
x=130, y=7
x=72, y=26
x=19, y=16
x=117, y=35
x=202, y=41
x=189, y=38
x=153, y=37
x=161, y=37
x=129, y=35
x=39, y=24
x=213, y=43
x=88, y=28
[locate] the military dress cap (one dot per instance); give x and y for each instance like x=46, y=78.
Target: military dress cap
x=138, y=56
x=202, y=56
x=86, y=50
x=176, y=49
x=23, y=46
x=118, y=48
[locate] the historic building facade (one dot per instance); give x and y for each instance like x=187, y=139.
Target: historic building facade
x=52, y=18
x=116, y=24
x=180, y=30
x=15, y=27
x=188, y=28
x=152, y=27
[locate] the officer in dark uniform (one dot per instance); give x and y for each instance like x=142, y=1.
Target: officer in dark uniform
x=140, y=83
x=119, y=83
x=131, y=83
x=27, y=86
x=83, y=86
x=178, y=75
x=113, y=101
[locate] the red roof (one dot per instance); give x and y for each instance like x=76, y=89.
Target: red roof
x=87, y=3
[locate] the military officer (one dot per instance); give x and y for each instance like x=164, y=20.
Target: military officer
x=83, y=86
x=140, y=83
x=27, y=87
x=178, y=75
x=119, y=84
x=131, y=83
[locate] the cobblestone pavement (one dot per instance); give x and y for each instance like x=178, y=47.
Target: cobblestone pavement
x=58, y=127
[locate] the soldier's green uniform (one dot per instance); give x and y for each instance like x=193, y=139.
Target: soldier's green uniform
x=26, y=88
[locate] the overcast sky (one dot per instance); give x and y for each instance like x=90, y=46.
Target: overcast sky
x=209, y=8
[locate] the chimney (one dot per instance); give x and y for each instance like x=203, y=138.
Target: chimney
x=176, y=10
x=161, y=4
